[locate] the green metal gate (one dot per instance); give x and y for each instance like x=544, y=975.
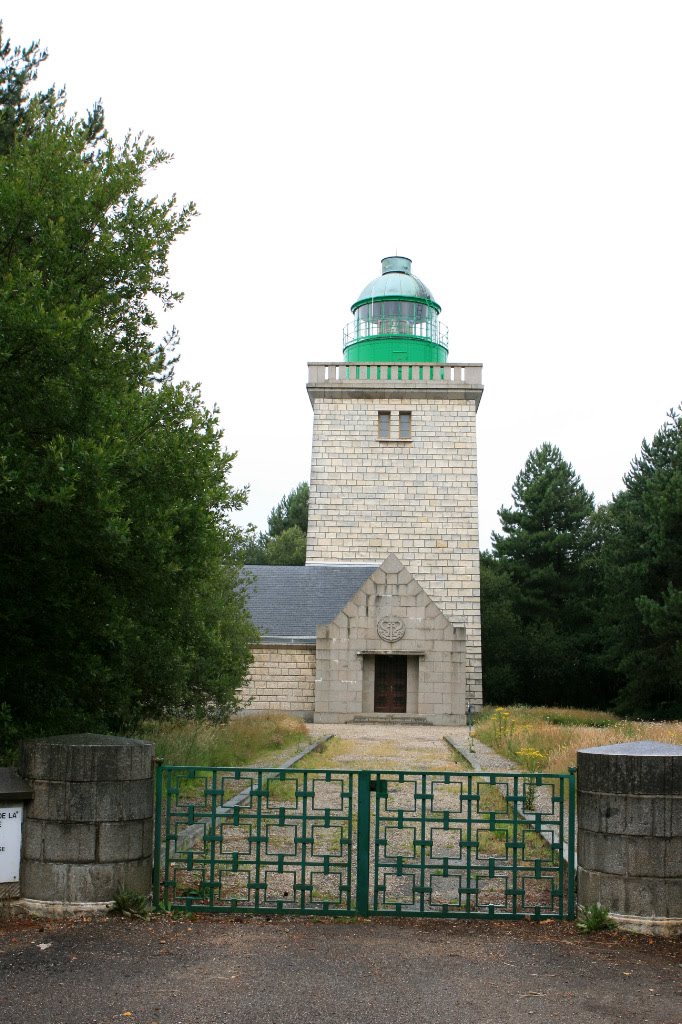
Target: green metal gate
x=428, y=844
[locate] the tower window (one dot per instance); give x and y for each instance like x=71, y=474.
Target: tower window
x=384, y=432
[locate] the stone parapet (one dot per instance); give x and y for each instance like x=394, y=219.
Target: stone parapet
x=451, y=381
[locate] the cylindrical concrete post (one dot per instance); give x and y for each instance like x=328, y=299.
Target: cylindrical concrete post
x=88, y=832
x=630, y=834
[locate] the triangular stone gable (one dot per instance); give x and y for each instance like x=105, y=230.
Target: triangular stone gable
x=391, y=593
x=390, y=614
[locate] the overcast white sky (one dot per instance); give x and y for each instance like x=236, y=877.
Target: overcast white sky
x=527, y=156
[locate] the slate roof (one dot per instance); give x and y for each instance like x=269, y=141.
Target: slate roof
x=288, y=602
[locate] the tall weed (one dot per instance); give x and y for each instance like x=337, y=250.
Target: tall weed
x=242, y=740
x=558, y=733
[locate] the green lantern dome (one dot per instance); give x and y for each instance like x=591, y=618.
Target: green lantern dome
x=396, y=320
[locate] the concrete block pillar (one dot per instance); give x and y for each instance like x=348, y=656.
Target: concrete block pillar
x=88, y=831
x=630, y=834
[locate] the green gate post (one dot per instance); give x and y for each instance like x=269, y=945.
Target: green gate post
x=571, y=844
x=158, y=806
x=362, y=881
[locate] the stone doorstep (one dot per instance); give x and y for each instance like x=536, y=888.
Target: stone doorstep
x=383, y=718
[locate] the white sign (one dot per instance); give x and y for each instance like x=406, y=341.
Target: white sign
x=10, y=842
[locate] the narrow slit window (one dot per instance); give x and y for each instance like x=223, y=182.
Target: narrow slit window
x=384, y=426
x=405, y=426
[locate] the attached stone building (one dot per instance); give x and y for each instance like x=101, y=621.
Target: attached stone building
x=384, y=618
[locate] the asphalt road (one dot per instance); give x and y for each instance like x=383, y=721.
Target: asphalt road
x=300, y=971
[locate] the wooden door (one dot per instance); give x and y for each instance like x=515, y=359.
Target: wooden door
x=390, y=683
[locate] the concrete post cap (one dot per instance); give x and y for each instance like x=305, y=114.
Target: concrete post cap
x=636, y=748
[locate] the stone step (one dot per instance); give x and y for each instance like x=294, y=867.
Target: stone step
x=381, y=718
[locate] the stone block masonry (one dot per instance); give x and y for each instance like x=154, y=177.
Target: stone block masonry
x=88, y=831
x=630, y=834
x=282, y=678
x=417, y=498
x=432, y=648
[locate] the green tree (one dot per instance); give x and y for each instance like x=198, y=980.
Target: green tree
x=23, y=109
x=544, y=532
x=291, y=510
x=287, y=548
x=642, y=566
x=118, y=571
x=285, y=541
x=502, y=635
x=546, y=550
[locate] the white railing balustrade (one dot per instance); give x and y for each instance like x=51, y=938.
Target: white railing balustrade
x=407, y=373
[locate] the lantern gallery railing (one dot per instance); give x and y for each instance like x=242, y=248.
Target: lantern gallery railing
x=395, y=327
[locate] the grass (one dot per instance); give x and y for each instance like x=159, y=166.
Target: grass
x=557, y=733
x=243, y=740
x=131, y=904
x=595, y=918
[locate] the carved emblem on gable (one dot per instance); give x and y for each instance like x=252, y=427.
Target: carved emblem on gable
x=391, y=628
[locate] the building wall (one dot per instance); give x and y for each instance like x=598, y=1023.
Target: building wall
x=418, y=499
x=434, y=648
x=282, y=678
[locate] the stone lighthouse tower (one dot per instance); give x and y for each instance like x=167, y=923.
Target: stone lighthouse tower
x=394, y=466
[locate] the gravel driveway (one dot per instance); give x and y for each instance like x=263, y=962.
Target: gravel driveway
x=416, y=747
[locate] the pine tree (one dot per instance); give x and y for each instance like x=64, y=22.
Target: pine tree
x=286, y=538
x=546, y=550
x=642, y=565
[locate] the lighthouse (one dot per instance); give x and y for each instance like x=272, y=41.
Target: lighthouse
x=393, y=503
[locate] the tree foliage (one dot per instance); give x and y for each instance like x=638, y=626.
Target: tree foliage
x=583, y=605
x=642, y=565
x=290, y=511
x=119, y=575
x=23, y=109
x=544, y=531
x=285, y=541
x=502, y=635
x=538, y=592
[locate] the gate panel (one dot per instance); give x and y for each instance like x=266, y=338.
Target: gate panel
x=255, y=840
x=470, y=844
x=434, y=844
